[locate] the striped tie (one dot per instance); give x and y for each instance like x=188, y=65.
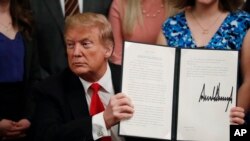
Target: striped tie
x=71, y=7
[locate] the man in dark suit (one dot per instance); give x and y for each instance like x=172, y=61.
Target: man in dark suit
x=64, y=101
x=49, y=20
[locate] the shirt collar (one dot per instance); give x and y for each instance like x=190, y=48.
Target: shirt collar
x=105, y=82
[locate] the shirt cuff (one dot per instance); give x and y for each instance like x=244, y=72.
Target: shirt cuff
x=99, y=127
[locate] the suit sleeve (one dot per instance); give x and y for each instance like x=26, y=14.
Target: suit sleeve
x=51, y=122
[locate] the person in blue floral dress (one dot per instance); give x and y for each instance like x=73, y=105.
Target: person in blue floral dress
x=213, y=24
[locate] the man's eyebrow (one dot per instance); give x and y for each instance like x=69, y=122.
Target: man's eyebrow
x=85, y=40
x=80, y=40
x=68, y=40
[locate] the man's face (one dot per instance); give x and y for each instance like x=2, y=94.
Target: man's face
x=87, y=55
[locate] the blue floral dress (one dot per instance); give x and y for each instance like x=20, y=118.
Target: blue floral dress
x=230, y=34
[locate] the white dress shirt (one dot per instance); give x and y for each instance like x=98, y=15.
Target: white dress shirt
x=80, y=3
x=105, y=93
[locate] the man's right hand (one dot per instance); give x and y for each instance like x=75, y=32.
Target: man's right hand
x=120, y=107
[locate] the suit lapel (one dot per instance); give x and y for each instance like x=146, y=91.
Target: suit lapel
x=85, y=5
x=56, y=10
x=76, y=96
x=116, y=77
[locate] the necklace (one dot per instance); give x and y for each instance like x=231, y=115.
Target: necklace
x=154, y=14
x=205, y=30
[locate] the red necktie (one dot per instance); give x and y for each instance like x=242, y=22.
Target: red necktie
x=96, y=105
x=71, y=7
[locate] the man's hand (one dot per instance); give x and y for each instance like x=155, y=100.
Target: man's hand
x=120, y=107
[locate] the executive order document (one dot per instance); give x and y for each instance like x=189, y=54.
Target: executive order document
x=180, y=94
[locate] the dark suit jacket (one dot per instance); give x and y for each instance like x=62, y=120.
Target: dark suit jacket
x=32, y=73
x=62, y=110
x=49, y=26
x=31, y=61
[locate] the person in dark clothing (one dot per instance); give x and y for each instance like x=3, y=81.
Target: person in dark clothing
x=68, y=98
x=19, y=69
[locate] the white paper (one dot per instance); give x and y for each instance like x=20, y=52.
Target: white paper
x=148, y=75
x=206, y=74
x=207, y=91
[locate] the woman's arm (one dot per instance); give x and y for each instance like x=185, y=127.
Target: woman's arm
x=161, y=40
x=244, y=90
x=116, y=22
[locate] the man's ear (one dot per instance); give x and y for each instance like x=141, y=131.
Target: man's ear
x=109, y=49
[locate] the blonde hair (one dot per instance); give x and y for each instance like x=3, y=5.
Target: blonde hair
x=91, y=20
x=133, y=14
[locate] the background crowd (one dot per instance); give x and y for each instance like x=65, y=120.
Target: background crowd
x=50, y=55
